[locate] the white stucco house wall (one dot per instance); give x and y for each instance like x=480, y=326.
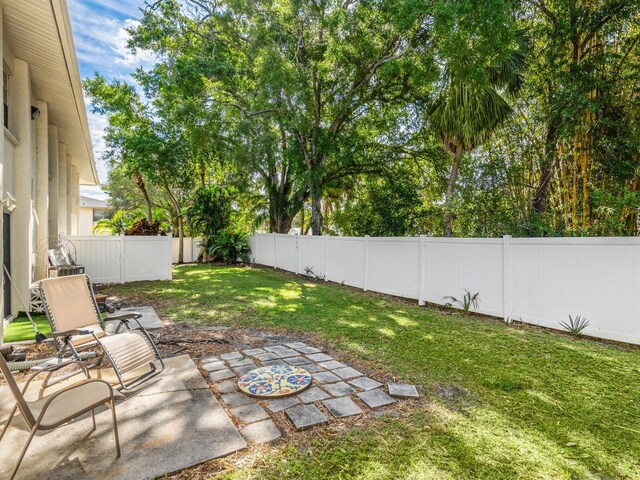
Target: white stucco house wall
x=47, y=152
x=91, y=210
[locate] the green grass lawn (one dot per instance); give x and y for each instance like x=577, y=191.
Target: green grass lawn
x=527, y=403
x=21, y=329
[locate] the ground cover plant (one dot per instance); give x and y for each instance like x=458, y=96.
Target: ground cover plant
x=499, y=401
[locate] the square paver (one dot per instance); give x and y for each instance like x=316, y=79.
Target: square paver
x=267, y=356
x=332, y=365
x=306, y=416
x=254, y=351
x=213, y=366
x=403, y=390
x=221, y=375
x=365, y=383
x=261, y=432
x=296, y=345
x=297, y=361
x=339, y=389
x=282, y=351
x=325, y=377
x=342, y=407
x=308, y=350
x=375, y=398
x=240, y=362
x=275, y=406
x=209, y=359
x=231, y=356
x=313, y=368
x=226, y=386
x=347, y=373
x=268, y=363
x=236, y=399
x=319, y=357
x=244, y=369
x=249, y=413
x=313, y=394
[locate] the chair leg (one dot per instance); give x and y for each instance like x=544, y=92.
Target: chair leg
x=93, y=415
x=6, y=425
x=115, y=427
x=24, y=451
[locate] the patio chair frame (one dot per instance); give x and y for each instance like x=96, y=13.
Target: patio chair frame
x=35, y=424
x=63, y=340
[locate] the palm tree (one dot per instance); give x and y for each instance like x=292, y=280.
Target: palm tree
x=466, y=113
x=115, y=225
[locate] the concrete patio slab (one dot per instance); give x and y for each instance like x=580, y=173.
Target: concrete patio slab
x=171, y=423
x=149, y=319
x=339, y=389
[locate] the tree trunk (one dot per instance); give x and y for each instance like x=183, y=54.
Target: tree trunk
x=316, y=209
x=539, y=203
x=179, y=220
x=138, y=180
x=448, y=216
x=302, y=220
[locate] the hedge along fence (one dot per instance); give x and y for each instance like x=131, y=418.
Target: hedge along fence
x=540, y=281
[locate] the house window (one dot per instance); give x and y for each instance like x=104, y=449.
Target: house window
x=98, y=215
x=5, y=96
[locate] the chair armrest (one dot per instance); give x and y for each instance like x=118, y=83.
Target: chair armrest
x=53, y=368
x=123, y=317
x=68, y=333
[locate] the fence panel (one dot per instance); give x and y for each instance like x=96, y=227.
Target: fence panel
x=147, y=258
x=345, y=257
x=476, y=264
x=393, y=266
x=112, y=259
x=286, y=252
x=100, y=256
x=191, y=249
x=595, y=278
x=312, y=253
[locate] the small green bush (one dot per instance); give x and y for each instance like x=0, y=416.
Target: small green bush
x=230, y=247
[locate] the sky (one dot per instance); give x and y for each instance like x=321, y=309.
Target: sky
x=101, y=46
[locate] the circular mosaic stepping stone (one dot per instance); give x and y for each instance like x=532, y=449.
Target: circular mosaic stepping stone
x=274, y=381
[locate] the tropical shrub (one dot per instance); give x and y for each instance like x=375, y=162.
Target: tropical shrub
x=144, y=227
x=230, y=247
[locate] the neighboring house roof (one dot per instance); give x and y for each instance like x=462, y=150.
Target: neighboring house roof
x=88, y=202
x=39, y=32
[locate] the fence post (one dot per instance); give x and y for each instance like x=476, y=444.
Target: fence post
x=507, y=285
x=275, y=251
x=122, y=259
x=326, y=258
x=297, y=256
x=365, y=264
x=422, y=265
x=169, y=263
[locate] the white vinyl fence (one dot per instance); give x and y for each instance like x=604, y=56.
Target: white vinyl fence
x=120, y=259
x=540, y=281
x=191, y=249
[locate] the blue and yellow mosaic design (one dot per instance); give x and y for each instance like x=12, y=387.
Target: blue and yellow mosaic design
x=274, y=381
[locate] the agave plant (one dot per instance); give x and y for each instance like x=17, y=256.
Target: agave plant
x=465, y=303
x=576, y=324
